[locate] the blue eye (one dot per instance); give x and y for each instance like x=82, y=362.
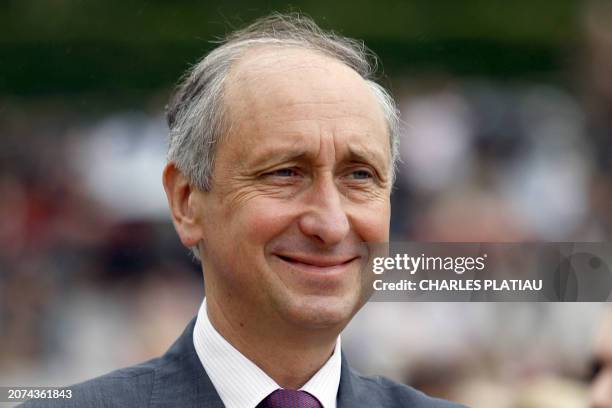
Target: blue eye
x=288, y=172
x=361, y=174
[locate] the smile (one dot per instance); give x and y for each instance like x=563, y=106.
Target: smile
x=317, y=264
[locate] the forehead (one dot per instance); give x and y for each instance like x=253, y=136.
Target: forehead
x=295, y=92
x=269, y=69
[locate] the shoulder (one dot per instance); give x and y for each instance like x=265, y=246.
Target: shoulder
x=130, y=386
x=383, y=392
x=175, y=379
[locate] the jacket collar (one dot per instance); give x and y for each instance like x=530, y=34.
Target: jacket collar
x=347, y=396
x=180, y=379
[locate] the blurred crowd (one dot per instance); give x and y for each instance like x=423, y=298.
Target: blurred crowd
x=93, y=277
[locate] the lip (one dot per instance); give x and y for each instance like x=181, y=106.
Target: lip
x=316, y=263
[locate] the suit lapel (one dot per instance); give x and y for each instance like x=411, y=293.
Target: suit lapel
x=180, y=380
x=347, y=397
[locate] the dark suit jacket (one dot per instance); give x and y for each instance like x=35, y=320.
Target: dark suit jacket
x=177, y=379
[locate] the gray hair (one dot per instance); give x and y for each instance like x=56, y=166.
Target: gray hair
x=195, y=114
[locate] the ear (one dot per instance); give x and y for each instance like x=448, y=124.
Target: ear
x=182, y=200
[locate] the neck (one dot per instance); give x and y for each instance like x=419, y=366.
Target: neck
x=289, y=355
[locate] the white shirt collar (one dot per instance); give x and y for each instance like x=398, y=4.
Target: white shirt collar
x=242, y=384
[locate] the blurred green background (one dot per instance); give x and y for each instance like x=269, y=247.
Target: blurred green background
x=132, y=48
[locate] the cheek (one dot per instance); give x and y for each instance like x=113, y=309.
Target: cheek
x=371, y=222
x=257, y=221
x=264, y=218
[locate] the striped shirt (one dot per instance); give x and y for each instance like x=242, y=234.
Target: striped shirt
x=242, y=384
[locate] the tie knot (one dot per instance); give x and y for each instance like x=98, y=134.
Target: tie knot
x=289, y=399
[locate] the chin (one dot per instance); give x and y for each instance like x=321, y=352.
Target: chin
x=322, y=312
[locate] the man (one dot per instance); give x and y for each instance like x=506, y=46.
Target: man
x=601, y=387
x=280, y=168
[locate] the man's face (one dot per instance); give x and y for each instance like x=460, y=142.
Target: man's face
x=300, y=182
x=601, y=388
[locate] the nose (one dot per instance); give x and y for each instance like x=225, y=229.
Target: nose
x=325, y=219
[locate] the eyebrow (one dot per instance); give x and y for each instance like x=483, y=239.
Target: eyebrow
x=355, y=154
x=366, y=156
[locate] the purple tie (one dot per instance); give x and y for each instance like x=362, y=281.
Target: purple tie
x=289, y=399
